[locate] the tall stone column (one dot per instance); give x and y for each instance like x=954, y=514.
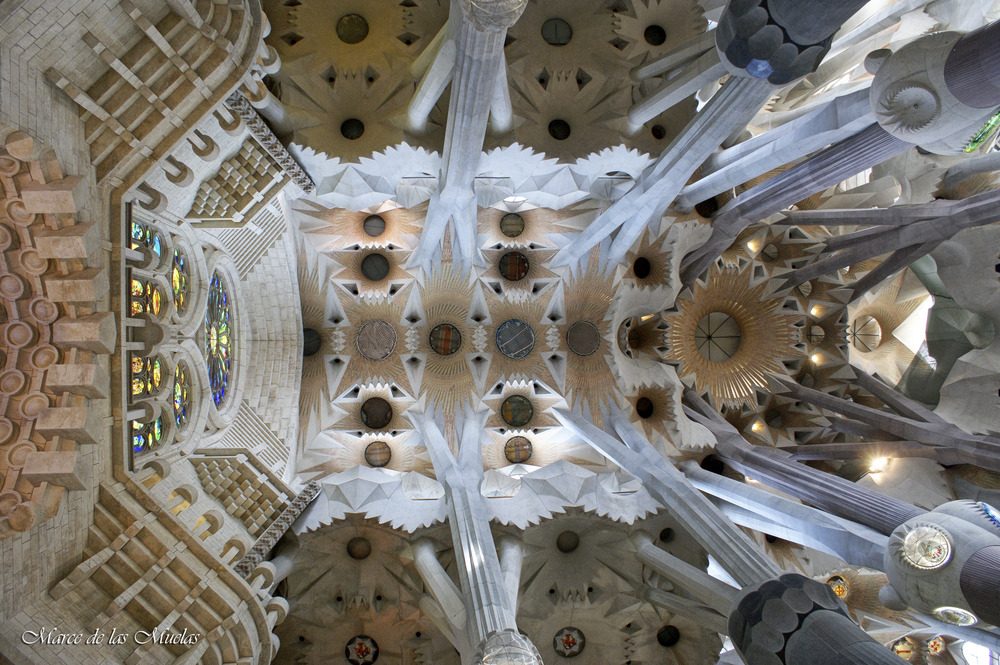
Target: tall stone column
x=772, y=611
x=936, y=561
x=736, y=553
x=910, y=422
x=763, y=46
x=911, y=101
x=490, y=624
x=906, y=233
x=823, y=490
x=476, y=47
x=765, y=511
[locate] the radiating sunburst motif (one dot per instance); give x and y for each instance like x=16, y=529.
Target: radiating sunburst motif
x=777, y=421
x=336, y=228
x=651, y=408
x=537, y=223
x=648, y=264
x=347, y=449
x=536, y=278
x=362, y=369
x=533, y=365
x=766, y=335
x=587, y=300
x=447, y=299
x=371, y=273
x=541, y=400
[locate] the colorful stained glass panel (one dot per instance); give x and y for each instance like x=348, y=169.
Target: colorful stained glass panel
x=219, y=339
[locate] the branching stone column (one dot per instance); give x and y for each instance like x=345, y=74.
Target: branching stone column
x=936, y=561
x=856, y=544
x=773, y=612
x=823, y=490
x=907, y=233
x=763, y=46
x=737, y=554
x=475, y=47
x=490, y=625
x=911, y=422
x=912, y=102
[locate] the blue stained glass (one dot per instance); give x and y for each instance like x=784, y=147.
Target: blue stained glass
x=218, y=339
x=155, y=244
x=992, y=513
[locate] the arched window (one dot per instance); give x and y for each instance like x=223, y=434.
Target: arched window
x=148, y=375
x=182, y=395
x=144, y=297
x=143, y=235
x=179, y=281
x=147, y=436
x=218, y=339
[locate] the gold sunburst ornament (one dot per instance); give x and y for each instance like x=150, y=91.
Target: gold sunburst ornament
x=727, y=336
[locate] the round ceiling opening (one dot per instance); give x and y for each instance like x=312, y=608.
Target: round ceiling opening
x=717, y=337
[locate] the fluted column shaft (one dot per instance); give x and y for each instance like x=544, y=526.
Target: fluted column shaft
x=735, y=552
x=972, y=70
x=855, y=544
x=823, y=490
x=865, y=149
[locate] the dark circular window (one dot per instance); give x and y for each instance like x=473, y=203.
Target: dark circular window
x=641, y=267
x=708, y=207
x=311, y=342
x=359, y=548
x=668, y=636
x=513, y=266
x=517, y=411
x=517, y=450
x=376, y=413
x=559, y=130
x=666, y=534
x=557, y=32
x=567, y=541
x=644, y=407
x=512, y=225
x=717, y=337
x=583, y=338
x=352, y=129
x=515, y=339
x=378, y=453
x=375, y=267
x=654, y=35
x=659, y=132
x=376, y=340
x=352, y=29
x=445, y=339
x=374, y=226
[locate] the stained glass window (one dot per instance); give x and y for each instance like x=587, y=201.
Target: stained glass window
x=147, y=375
x=218, y=339
x=182, y=395
x=145, y=298
x=147, y=436
x=144, y=236
x=179, y=280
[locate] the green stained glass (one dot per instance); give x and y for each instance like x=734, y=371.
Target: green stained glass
x=983, y=134
x=182, y=395
x=179, y=281
x=142, y=235
x=218, y=339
